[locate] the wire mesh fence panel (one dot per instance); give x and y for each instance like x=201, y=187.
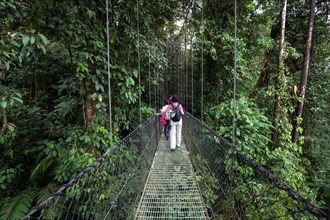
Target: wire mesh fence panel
x=111, y=187
x=234, y=186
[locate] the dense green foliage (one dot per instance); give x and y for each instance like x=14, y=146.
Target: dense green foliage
x=54, y=114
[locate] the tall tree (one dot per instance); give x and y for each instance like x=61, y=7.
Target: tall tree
x=304, y=74
x=278, y=81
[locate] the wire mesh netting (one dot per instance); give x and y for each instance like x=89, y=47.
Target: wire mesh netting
x=235, y=186
x=111, y=187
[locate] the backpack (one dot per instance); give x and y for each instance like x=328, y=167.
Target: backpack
x=175, y=114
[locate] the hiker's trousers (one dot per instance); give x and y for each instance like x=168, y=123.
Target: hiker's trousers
x=175, y=137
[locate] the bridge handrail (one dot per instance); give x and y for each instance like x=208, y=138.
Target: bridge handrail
x=310, y=207
x=60, y=191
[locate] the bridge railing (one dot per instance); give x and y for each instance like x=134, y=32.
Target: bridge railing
x=234, y=186
x=111, y=187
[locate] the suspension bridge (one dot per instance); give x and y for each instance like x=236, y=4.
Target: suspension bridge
x=140, y=178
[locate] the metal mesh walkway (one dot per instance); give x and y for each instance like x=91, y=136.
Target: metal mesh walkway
x=171, y=191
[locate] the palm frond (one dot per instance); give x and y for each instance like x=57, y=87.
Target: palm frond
x=41, y=170
x=17, y=207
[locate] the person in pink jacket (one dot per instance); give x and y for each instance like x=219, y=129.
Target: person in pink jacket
x=167, y=119
x=176, y=126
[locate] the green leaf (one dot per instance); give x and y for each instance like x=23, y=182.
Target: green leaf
x=44, y=39
x=2, y=178
x=130, y=81
x=54, y=153
x=11, y=128
x=41, y=46
x=7, y=64
x=6, y=54
x=11, y=5
x=90, y=160
x=4, y=103
x=32, y=39
x=14, y=43
x=91, y=14
x=18, y=100
x=26, y=39
x=135, y=73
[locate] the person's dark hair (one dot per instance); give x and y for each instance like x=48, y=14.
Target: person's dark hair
x=166, y=101
x=175, y=98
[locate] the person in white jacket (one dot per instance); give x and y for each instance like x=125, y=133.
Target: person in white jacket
x=176, y=126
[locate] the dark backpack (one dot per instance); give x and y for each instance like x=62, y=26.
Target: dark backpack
x=175, y=114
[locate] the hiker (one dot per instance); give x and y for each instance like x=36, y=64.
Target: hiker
x=167, y=120
x=176, y=111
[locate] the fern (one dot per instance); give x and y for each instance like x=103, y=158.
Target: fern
x=17, y=207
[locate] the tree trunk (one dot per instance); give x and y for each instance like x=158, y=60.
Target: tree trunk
x=264, y=75
x=278, y=80
x=304, y=74
x=90, y=110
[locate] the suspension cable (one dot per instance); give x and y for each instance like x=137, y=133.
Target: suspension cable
x=186, y=71
x=149, y=64
x=202, y=64
x=234, y=98
x=109, y=76
x=192, y=76
x=155, y=84
x=234, y=103
x=138, y=51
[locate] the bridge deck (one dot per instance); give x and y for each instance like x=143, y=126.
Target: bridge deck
x=171, y=191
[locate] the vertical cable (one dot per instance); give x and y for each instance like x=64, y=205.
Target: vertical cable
x=166, y=70
x=181, y=72
x=155, y=91
x=157, y=88
x=149, y=76
x=155, y=70
x=192, y=76
x=202, y=64
x=234, y=105
x=234, y=101
x=109, y=76
x=138, y=36
x=160, y=95
x=185, y=70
